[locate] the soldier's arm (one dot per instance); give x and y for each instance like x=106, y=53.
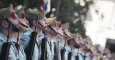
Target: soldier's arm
x=25, y=39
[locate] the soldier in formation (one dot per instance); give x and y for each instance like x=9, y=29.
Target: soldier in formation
x=27, y=34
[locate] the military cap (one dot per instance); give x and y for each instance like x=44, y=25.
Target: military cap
x=6, y=12
x=21, y=14
x=9, y=14
x=73, y=43
x=78, y=39
x=52, y=21
x=65, y=26
x=52, y=24
x=34, y=14
x=73, y=35
x=59, y=26
x=88, y=41
x=20, y=11
x=65, y=29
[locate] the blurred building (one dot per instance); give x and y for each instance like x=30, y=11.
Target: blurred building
x=100, y=22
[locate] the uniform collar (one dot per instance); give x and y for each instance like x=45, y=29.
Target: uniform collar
x=3, y=37
x=28, y=32
x=14, y=39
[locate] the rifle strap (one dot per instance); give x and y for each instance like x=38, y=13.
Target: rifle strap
x=30, y=49
x=43, y=49
x=84, y=57
x=69, y=55
x=62, y=53
x=5, y=51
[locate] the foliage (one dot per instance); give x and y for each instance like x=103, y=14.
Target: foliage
x=67, y=10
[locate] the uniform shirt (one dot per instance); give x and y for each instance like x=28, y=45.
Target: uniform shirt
x=37, y=48
x=70, y=55
x=13, y=55
x=49, y=53
x=39, y=41
x=88, y=57
x=81, y=55
x=68, y=49
x=94, y=57
x=74, y=54
x=3, y=39
x=61, y=46
x=21, y=53
x=26, y=38
x=52, y=45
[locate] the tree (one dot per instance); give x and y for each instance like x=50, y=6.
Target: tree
x=67, y=11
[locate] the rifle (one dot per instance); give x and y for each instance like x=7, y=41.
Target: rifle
x=63, y=50
x=76, y=45
x=62, y=53
x=43, y=44
x=56, y=51
x=70, y=53
x=44, y=47
x=77, y=57
x=30, y=49
x=17, y=44
x=6, y=45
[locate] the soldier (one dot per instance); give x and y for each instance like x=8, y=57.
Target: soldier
x=88, y=50
x=71, y=55
x=52, y=34
x=81, y=49
x=23, y=28
x=33, y=15
x=4, y=33
x=61, y=41
x=10, y=24
x=68, y=44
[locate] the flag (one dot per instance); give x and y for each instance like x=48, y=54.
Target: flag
x=46, y=6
